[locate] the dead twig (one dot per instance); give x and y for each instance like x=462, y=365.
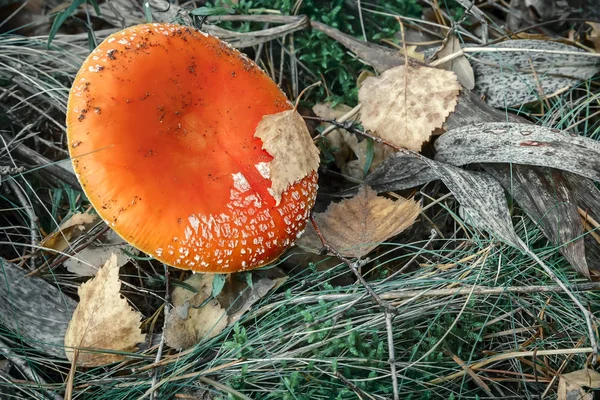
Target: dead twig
x=152, y=389
x=388, y=310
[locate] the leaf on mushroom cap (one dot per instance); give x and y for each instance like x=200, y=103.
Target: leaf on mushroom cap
x=404, y=106
x=161, y=122
x=358, y=225
x=103, y=320
x=286, y=138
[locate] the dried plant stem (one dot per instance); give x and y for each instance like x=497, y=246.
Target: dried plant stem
x=389, y=317
x=71, y=376
x=510, y=356
x=449, y=57
x=343, y=118
x=460, y=291
x=24, y=368
x=28, y=208
x=388, y=310
x=359, y=392
x=152, y=389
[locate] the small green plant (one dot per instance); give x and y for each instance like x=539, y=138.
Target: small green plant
x=323, y=56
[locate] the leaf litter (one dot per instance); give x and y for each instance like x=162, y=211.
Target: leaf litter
x=410, y=172
x=201, y=311
x=103, y=323
x=356, y=226
x=405, y=105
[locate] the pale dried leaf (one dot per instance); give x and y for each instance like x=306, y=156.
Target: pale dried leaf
x=412, y=52
x=103, y=320
x=286, y=138
x=85, y=263
x=337, y=144
x=69, y=230
x=237, y=297
x=570, y=391
x=584, y=377
x=404, y=106
x=594, y=35
x=187, y=323
x=570, y=386
x=358, y=225
x=460, y=66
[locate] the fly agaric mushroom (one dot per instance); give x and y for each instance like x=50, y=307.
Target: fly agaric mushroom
x=161, y=125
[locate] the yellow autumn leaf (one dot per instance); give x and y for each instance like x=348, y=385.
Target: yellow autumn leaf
x=405, y=105
x=103, y=321
x=70, y=229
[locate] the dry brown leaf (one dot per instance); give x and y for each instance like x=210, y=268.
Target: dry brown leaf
x=286, y=138
x=86, y=262
x=460, y=66
x=237, y=298
x=570, y=386
x=412, y=52
x=594, y=35
x=187, y=323
x=356, y=226
x=404, y=105
x=103, y=320
x=69, y=230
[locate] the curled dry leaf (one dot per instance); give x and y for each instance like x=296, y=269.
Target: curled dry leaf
x=190, y=321
x=405, y=105
x=594, y=35
x=86, y=262
x=460, y=65
x=570, y=386
x=103, y=320
x=358, y=225
x=286, y=138
x=69, y=229
x=237, y=297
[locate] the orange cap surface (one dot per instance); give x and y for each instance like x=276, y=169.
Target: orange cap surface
x=160, y=122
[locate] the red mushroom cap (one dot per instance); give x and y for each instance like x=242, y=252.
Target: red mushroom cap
x=160, y=122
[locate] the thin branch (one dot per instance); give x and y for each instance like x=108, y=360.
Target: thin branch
x=152, y=389
x=388, y=310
